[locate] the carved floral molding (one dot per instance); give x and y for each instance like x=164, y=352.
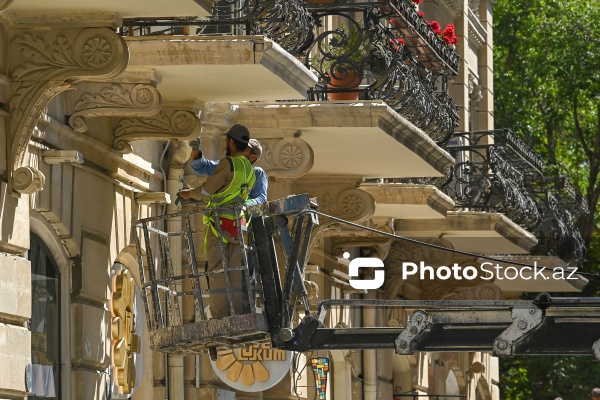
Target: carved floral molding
x=111, y=99
x=166, y=125
x=46, y=63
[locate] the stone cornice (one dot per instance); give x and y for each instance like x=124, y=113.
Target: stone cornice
x=415, y=140
x=477, y=33
x=409, y=194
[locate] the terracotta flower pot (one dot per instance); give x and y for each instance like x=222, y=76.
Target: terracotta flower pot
x=349, y=80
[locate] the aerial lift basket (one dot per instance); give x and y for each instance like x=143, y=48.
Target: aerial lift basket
x=174, y=279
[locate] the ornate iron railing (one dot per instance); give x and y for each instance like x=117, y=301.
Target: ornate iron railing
x=286, y=22
x=364, y=51
x=404, y=70
x=490, y=175
x=496, y=172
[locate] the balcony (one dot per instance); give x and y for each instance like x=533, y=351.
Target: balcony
x=388, y=53
x=496, y=172
x=411, y=77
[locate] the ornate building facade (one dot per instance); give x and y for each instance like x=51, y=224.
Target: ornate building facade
x=99, y=100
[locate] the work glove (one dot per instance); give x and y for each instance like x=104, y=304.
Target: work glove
x=195, y=144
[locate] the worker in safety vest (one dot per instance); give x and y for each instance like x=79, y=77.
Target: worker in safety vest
x=231, y=183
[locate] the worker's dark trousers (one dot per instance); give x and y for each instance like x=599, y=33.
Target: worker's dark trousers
x=219, y=306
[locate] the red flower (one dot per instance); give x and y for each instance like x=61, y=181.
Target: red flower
x=436, y=27
x=417, y=1
x=449, y=30
x=396, y=42
x=421, y=14
x=448, y=34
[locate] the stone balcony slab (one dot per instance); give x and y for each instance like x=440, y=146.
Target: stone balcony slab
x=125, y=9
x=220, y=68
x=363, y=138
x=475, y=232
x=403, y=201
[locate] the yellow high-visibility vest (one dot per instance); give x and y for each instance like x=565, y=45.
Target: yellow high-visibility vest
x=236, y=193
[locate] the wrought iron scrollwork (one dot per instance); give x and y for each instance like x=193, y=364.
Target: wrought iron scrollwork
x=287, y=22
x=370, y=49
x=557, y=233
x=497, y=172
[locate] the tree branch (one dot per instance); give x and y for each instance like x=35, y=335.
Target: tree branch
x=579, y=131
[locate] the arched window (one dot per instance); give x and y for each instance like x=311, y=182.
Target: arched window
x=45, y=321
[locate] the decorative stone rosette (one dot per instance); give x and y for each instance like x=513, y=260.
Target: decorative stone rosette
x=288, y=157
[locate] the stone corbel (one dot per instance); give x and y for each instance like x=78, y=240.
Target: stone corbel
x=288, y=157
x=44, y=63
x=352, y=205
x=363, y=238
x=98, y=99
x=166, y=125
x=28, y=180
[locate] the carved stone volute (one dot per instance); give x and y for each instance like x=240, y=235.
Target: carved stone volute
x=98, y=99
x=167, y=124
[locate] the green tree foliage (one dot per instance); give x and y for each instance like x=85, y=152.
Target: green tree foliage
x=547, y=88
x=545, y=378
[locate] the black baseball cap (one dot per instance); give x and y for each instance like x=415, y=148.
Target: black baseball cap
x=239, y=133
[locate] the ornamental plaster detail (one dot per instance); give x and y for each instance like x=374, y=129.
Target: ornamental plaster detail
x=380, y=242
x=166, y=125
x=454, y=6
x=288, y=157
x=352, y=205
x=28, y=180
x=111, y=99
x=47, y=62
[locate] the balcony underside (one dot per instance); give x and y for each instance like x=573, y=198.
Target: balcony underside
x=220, y=69
x=402, y=201
x=475, y=232
x=525, y=281
x=366, y=139
x=125, y=9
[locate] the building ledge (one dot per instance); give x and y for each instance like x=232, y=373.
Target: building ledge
x=220, y=69
x=475, y=232
x=363, y=138
x=403, y=201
